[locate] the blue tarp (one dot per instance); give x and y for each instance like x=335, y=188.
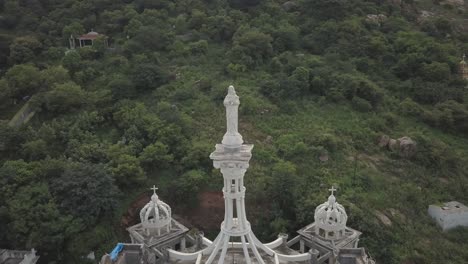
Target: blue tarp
x=115, y=253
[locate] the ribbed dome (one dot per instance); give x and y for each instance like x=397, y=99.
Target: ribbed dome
x=156, y=214
x=330, y=219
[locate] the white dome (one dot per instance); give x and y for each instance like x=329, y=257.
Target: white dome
x=330, y=219
x=156, y=214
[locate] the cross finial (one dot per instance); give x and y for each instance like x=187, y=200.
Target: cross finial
x=464, y=56
x=154, y=189
x=332, y=190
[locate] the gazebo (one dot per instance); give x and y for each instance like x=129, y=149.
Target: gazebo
x=87, y=39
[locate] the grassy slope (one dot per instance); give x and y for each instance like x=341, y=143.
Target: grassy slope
x=390, y=182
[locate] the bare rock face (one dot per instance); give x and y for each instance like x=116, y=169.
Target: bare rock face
x=376, y=18
x=393, y=144
x=407, y=147
x=383, y=218
x=424, y=15
x=290, y=6
x=454, y=3
x=323, y=157
x=383, y=141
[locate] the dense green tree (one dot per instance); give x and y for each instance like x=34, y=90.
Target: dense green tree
x=72, y=61
x=242, y=4
x=64, y=97
x=435, y=71
x=36, y=221
x=34, y=150
x=124, y=166
x=24, y=49
x=121, y=86
x=187, y=184
x=156, y=156
x=86, y=191
x=23, y=79
x=55, y=75
x=74, y=29
x=251, y=47
x=149, y=76
x=326, y=9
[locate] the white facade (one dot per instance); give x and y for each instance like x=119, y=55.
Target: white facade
x=449, y=215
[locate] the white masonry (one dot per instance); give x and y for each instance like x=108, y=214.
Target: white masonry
x=232, y=158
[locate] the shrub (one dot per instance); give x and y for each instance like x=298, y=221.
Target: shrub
x=410, y=107
x=361, y=104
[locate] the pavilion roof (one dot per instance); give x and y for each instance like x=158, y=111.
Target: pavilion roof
x=92, y=35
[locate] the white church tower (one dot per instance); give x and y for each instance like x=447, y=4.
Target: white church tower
x=232, y=158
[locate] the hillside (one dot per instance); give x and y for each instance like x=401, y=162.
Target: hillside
x=320, y=83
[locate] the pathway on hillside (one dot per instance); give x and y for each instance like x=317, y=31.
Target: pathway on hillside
x=22, y=116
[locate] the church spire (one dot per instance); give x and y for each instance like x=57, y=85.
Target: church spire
x=232, y=158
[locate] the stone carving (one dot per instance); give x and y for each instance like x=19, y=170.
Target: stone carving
x=232, y=137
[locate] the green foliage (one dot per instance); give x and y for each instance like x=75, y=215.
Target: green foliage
x=435, y=71
x=124, y=166
x=74, y=29
x=87, y=191
x=23, y=79
x=64, y=98
x=149, y=76
x=156, y=155
x=188, y=184
x=361, y=104
x=55, y=75
x=72, y=61
x=317, y=79
x=251, y=47
x=24, y=49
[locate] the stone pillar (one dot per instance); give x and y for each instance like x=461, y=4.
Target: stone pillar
x=182, y=244
x=314, y=253
x=284, y=237
x=301, y=246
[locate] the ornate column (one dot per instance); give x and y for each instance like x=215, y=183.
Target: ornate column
x=232, y=158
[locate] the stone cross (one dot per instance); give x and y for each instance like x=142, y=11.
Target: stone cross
x=332, y=189
x=464, y=56
x=154, y=189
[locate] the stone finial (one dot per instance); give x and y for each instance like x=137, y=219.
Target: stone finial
x=332, y=190
x=232, y=138
x=154, y=197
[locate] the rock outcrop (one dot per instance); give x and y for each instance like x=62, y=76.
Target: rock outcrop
x=405, y=146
